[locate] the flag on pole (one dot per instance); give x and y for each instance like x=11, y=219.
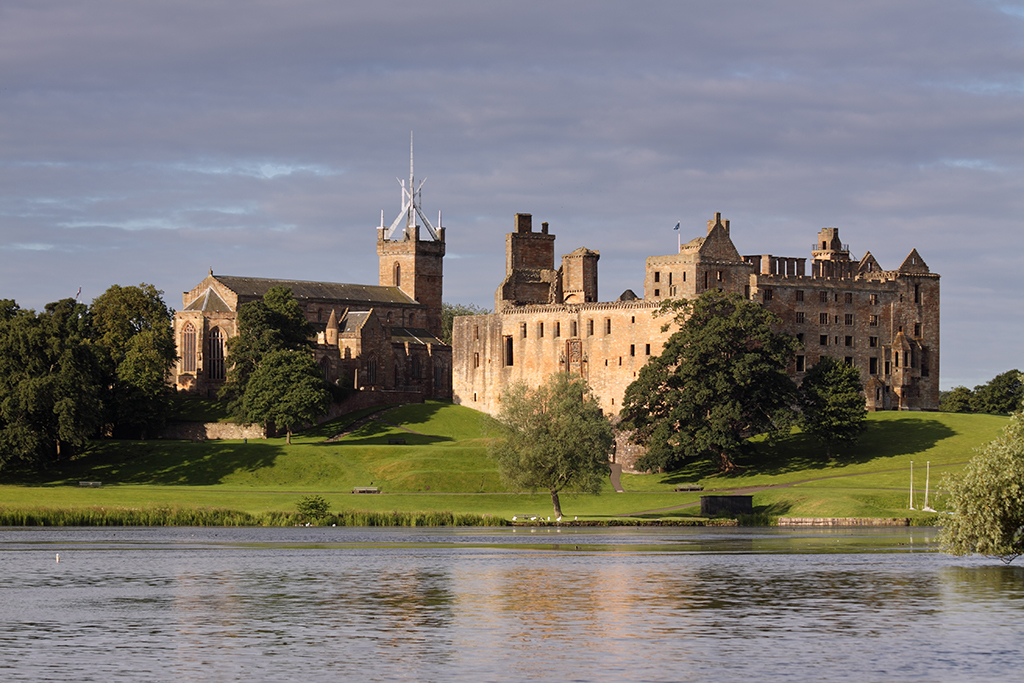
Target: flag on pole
x=677, y=225
x=79, y=294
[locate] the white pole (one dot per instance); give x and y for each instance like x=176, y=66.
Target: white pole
x=911, y=484
x=927, y=477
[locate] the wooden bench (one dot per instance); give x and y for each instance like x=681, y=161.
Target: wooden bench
x=366, y=489
x=689, y=487
x=90, y=484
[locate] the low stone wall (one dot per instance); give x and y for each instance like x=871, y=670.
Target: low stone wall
x=844, y=521
x=201, y=431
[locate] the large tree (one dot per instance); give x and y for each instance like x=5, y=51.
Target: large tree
x=133, y=325
x=51, y=374
x=720, y=380
x=286, y=390
x=449, y=312
x=987, y=500
x=956, y=400
x=999, y=396
x=554, y=437
x=275, y=323
x=832, y=403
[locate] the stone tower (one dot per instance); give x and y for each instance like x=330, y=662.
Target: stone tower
x=412, y=264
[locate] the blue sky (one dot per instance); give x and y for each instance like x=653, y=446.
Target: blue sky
x=150, y=142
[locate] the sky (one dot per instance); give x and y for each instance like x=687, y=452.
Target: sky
x=154, y=141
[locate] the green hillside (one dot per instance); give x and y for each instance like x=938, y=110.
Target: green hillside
x=443, y=465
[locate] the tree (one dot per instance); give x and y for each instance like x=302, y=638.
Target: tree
x=286, y=390
x=719, y=380
x=134, y=326
x=554, y=437
x=51, y=374
x=1001, y=395
x=832, y=403
x=449, y=312
x=274, y=324
x=987, y=500
x=956, y=400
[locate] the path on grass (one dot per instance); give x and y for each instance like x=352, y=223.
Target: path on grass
x=746, y=490
x=371, y=418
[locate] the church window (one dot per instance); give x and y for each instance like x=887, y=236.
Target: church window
x=633, y=319
x=799, y=316
x=216, y=355
x=371, y=372
x=398, y=275
x=325, y=368
x=848, y=297
x=415, y=367
x=799, y=295
x=508, y=350
x=188, y=348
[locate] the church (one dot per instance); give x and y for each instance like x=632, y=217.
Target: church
x=546, y=320
x=372, y=338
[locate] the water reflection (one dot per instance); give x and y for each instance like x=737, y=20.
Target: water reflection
x=501, y=605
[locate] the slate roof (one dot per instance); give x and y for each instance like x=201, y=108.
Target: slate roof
x=414, y=335
x=256, y=287
x=209, y=301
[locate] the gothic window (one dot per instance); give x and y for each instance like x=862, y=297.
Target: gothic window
x=416, y=367
x=371, y=371
x=216, y=354
x=188, y=348
x=325, y=368
x=398, y=275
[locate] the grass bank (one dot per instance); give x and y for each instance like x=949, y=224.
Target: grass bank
x=441, y=467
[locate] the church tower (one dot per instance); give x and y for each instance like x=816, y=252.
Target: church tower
x=412, y=264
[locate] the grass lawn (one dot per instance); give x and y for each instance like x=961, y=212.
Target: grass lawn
x=443, y=466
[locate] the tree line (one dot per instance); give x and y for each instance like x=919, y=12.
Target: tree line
x=1001, y=395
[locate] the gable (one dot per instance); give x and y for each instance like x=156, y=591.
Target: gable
x=914, y=264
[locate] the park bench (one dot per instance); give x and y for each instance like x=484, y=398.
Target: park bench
x=689, y=487
x=366, y=489
x=90, y=484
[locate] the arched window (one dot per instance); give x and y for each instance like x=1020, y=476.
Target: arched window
x=325, y=368
x=398, y=275
x=216, y=354
x=371, y=371
x=188, y=348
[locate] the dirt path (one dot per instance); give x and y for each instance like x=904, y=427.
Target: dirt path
x=617, y=477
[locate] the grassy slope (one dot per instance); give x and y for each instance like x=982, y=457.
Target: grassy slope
x=444, y=462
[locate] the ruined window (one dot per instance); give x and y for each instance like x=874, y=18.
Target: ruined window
x=398, y=275
x=476, y=329
x=766, y=294
x=188, y=348
x=508, y=350
x=657, y=276
x=522, y=330
x=476, y=360
x=216, y=354
x=823, y=340
x=924, y=363
x=873, y=342
x=657, y=292
x=848, y=319
x=558, y=329
x=873, y=321
x=632, y=349
x=590, y=328
x=887, y=368
x=800, y=364
x=823, y=297
x=719, y=276
x=573, y=332
x=607, y=325
x=848, y=340
x=849, y=297
x=799, y=295
x=874, y=299
x=917, y=294
x=746, y=292
x=896, y=359
x=823, y=318
x=540, y=330
x=849, y=361
x=799, y=317
x=872, y=366
x=647, y=349
x=800, y=338
x=917, y=329
x=670, y=278
x=705, y=279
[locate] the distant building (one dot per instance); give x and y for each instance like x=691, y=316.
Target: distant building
x=883, y=322
x=383, y=337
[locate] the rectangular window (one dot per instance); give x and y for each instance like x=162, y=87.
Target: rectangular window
x=823, y=340
x=766, y=294
x=476, y=360
x=657, y=292
x=476, y=331
x=873, y=366
x=508, y=350
x=874, y=299
x=823, y=297
x=917, y=329
x=799, y=363
x=540, y=330
x=848, y=319
x=670, y=278
x=849, y=361
x=896, y=359
x=873, y=321
x=647, y=349
x=837, y=320
x=657, y=276
x=848, y=340
x=799, y=317
x=849, y=297
x=607, y=325
x=873, y=342
x=887, y=368
x=632, y=349
x=719, y=276
x=558, y=329
x=917, y=294
x=800, y=338
x=590, y=328
x=522, y=330
x=746, y=292
x=799, y=295
x=572, y=329
x=823, y=318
